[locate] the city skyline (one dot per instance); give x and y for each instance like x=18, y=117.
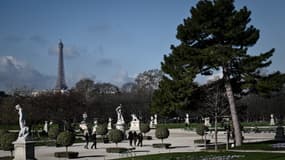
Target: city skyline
x=107, y=41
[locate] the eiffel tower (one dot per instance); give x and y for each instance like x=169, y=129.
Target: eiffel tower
x=60, y=83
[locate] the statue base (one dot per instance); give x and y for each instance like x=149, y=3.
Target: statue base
x=279, y=134
x=152, y=126
x=120, y=126
x=135, y=126
x=24, y=150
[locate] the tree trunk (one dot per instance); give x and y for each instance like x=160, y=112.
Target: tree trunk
x=205, y=142
x=234, y=115
x=216, y=133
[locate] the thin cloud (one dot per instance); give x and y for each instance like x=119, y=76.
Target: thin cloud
x=12, y=39
x=17, y=74
x=69, y=52
x=104, y=62
x=99, y=50
x=121, y=77
x=99, y=28
x=38, y=39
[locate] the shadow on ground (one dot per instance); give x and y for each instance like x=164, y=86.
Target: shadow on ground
x=173, y=147
x=91, y=156
x=141, y=151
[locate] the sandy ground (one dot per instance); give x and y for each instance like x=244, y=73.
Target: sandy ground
x=181, y=141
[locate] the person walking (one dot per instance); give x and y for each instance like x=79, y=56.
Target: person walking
x=140, y=139
x=135, y=137
x=131, y=137
x=86, y=135
x=94, y=145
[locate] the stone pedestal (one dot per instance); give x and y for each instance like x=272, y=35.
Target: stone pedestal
x=24, y=150
x=109, y=126
x=187, y=122
x=135, y=126
x=272, y=121
x=121, y=127
x=207, y=122
x=280, y=134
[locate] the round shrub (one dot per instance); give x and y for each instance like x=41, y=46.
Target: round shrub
x=144, y=128
x=116, y=150
x=66, y=154
x=161, y=133
x=6, y=142
x=201, y=141
x=3, y=131
x=65, y=138
x=161, y=145
x=116, y=136
x=53, y=131
x=201, y=130
x=101, y=129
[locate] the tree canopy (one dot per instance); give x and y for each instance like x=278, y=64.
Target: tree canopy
x=215, y=37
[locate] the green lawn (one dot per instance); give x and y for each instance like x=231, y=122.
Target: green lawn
x=265, y=145
x=211, y=156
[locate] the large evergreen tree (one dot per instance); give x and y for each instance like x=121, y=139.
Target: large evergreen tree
x=215, y=37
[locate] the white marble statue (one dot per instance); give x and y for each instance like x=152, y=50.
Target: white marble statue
x=120, y=125
x=207, y=121
x=151, y=123
x=46, y=127
x=187, y=122
x=83, y=126
x=120, y=119
x=155, y=120
x=135, y=123
x=84, y=116
x=272, y=120
x=134, y=117
x=95, y=124
x=24, y=130
x=109, y=126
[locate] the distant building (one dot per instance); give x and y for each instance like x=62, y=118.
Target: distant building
x=60, y=83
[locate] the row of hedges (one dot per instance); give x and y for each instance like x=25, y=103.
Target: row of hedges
x=6, y=140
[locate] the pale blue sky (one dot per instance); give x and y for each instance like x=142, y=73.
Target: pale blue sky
x=108, y=40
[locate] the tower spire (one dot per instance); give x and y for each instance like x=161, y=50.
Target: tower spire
x=60, y=83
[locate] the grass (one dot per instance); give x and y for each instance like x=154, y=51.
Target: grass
x=253, y=124
x=9, y=127
x=265, y=145
x=194, y=125
x=169, y=125
x=178, y=125
x=6, y=158
x=210, y=155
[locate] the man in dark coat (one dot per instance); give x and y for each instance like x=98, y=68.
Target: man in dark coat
x=131, y=137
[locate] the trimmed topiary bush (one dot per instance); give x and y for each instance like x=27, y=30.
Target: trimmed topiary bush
x=66, y=139
x=102, y=130
x=161, y=145
x=2, y=131
x=116, y=136
x=161, y=133
x=116, y=150
x=201, y=141
x=201, y=130
x=66, y=154
x=53, y=131
x=144, y=128
x=7, y=140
